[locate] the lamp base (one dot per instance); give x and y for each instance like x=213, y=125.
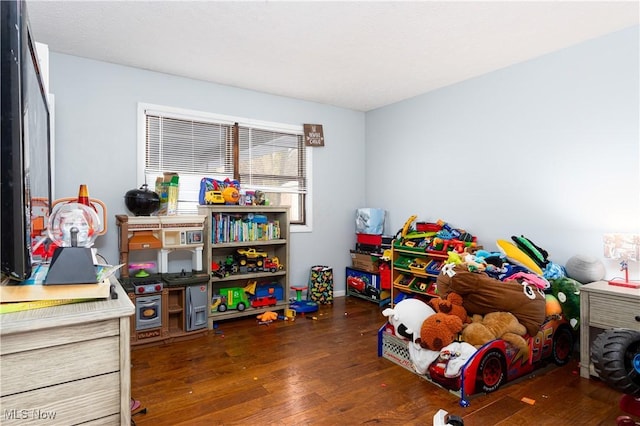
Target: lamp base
x=627, y=284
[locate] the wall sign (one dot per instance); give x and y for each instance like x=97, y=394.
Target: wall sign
x=313, y=135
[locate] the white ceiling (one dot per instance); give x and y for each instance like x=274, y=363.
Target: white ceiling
x=355, y=54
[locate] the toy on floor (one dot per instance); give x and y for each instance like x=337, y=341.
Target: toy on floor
x=136, y=409
x=302, y=306
x=616, y=358
x=443, y=418
x=267, y=317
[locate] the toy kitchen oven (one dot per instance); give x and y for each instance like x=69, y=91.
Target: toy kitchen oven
x=168, y=306
x=147, y=296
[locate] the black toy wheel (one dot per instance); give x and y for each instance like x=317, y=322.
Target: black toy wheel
x=562, y=345
x=241, y=307
x=222, y=307
x=491, y=372
x=615, y=355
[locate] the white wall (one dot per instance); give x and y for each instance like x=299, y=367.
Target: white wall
x=549, y=148
x=96, y=107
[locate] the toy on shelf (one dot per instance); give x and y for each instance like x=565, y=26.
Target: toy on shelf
x=260, y=301
x=272, y=264
x=233, y=298
x=213, y=191
x=250, y=259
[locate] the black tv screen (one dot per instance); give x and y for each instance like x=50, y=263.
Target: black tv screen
x=26, y=164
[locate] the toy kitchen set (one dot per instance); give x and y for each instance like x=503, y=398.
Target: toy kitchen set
x=168, y=305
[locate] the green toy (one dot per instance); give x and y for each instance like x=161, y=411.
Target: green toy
x=567, y=291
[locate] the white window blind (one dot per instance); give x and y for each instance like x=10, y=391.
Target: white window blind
x=262, y=156
x=192, y=148
x=274, y=162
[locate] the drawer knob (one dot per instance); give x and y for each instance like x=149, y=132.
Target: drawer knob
x=638, y=318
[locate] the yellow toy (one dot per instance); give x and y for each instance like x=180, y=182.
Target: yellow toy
x=213, y=197
x=267, y=316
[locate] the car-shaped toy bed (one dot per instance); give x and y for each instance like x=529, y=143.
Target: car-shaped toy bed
x=492, y=365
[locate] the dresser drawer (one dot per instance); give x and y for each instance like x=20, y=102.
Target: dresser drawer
x=68, y=403
x=58, y=364
x=607, y=311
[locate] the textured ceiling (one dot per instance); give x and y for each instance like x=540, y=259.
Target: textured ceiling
x=359, y=55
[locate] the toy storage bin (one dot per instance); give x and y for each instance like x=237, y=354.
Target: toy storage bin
x=369, y=239
x=365, y=262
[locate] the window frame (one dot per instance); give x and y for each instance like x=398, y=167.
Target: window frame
x=187, y=114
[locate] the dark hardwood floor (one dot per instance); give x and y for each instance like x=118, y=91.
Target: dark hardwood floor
x=326, y=371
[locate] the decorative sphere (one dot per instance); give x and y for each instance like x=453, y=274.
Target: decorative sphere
x=73, y=218
x=585, y=269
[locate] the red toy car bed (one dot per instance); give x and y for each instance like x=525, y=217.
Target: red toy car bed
x=495, y=363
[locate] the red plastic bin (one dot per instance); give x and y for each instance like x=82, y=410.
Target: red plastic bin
x=369, y=239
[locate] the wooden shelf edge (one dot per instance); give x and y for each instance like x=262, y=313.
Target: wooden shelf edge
x=406, y=289
x=232, y=313
x=248, y=243
x=239, y=277
x=417, y=274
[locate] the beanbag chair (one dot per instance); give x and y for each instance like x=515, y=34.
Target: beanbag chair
x=482, y=294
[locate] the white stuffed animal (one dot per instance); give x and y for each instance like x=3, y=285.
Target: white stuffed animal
x=407, y=317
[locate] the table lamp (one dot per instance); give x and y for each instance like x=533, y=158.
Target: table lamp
x=624, y=247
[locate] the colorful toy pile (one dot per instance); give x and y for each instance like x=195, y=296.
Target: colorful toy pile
x=492, y=317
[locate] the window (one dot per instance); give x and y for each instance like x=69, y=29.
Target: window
x=269, y=157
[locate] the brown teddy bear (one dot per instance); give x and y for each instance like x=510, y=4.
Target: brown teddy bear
x=496, y=325
x=438, y=331
x=451, y=305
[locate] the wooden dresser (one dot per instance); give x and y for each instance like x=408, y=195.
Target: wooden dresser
x=604, y=306
x=67, y=364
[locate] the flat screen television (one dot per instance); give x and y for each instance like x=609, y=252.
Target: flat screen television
x=25, y=186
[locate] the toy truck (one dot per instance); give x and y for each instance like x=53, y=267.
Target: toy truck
x=244, y=256
x=272, y=264
x=230, y=298
x=260, y=301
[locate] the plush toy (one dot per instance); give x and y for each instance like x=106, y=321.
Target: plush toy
x=454, y=258
x=537, y=254
x=267, y=316
x=553, y=307
x=474, y=264
x=482, y=294
x=496, y=325
x=567, y=291
x=438, y=331
x=451, y=304
x=407, y=317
